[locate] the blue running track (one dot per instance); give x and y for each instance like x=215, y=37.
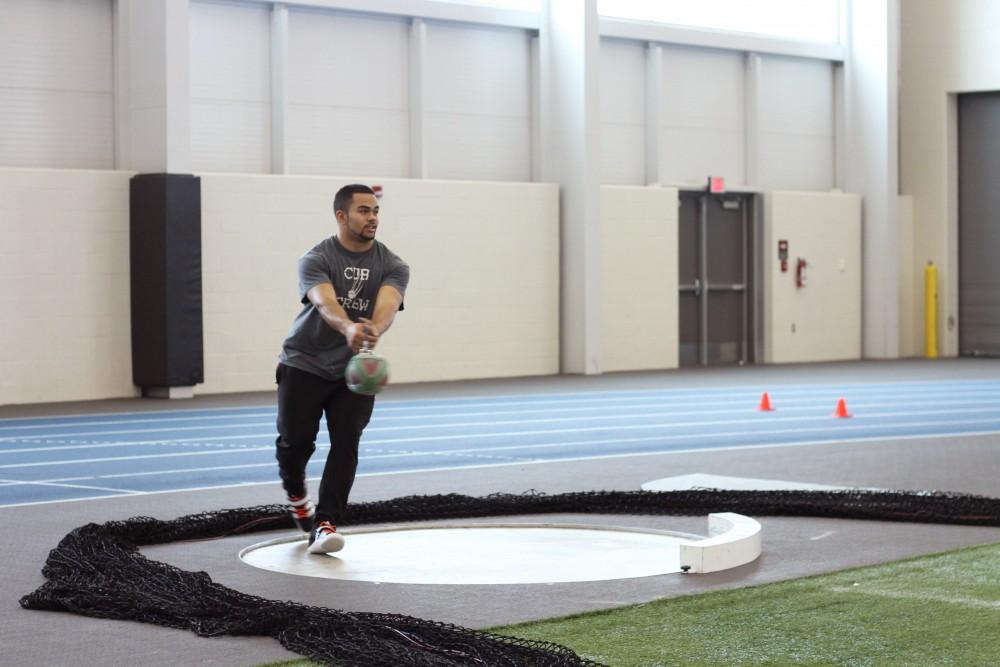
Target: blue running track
x=70, y=458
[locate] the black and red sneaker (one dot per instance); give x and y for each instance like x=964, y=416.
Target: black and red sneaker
x=325, y=539
x=302, y=511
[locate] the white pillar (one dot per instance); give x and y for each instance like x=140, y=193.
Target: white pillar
x=279, y=89
x=751, y=119
x=153, y=86
x=872, y=164
x=569, y=70
x=536, y=110
x=654, y=106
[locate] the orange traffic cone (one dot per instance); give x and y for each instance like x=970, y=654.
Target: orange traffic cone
x=841, y=410
x=765, y=403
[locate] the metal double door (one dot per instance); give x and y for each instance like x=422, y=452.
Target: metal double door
x=715, y=262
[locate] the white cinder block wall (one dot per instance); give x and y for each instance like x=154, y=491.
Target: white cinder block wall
x=821, y=321
x=484, y=257
x=484, y=297
x=64, y=285
x=638, y=278
x=483, y=300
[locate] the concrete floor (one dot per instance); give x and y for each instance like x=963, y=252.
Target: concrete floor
x=793, y=547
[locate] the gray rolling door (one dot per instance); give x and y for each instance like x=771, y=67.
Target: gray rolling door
x=979, y=224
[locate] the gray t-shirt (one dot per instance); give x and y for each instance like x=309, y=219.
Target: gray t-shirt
x=312, y=345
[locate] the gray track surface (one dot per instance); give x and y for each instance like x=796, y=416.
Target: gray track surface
x=793, y=547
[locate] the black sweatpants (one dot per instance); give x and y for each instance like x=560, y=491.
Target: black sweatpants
x=302, y=400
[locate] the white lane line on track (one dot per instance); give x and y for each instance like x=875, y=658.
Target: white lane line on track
x=756, y=419
x=218, y=447
x=137, y=457
x=534, y=446
x=153, y=473
x=987, y=404
x=694, y=436
x=422, y=405
x=73, y=486
x=600, y=457
x=74, y=445
x=218, y=487
x=4, y=428
x=247, y=466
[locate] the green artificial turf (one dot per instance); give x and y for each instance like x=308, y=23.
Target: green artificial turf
x=934, y=610
x=942, y=609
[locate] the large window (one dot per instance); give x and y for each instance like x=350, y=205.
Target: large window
x=623, y=112
x=348, y=103
x=702, y=115
x=230, y=87
x=804, y=20
x=56, y=103
x=477, y=103
x=796, y=124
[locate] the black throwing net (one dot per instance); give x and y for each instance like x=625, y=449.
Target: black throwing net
x=97, y=570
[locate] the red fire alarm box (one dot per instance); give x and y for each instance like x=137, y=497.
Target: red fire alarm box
x=716, y=184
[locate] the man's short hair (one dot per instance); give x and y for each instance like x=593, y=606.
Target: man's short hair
x=342, y=200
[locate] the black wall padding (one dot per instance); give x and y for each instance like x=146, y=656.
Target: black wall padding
x=165, y=257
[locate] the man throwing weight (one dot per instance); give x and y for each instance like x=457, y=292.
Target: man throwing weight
x=351, y=287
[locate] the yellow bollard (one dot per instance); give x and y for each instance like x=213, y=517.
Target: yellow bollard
x=930, y=311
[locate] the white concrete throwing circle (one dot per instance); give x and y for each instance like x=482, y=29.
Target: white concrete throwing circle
x=479, y=554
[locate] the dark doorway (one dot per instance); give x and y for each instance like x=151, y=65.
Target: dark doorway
x=715, y=264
